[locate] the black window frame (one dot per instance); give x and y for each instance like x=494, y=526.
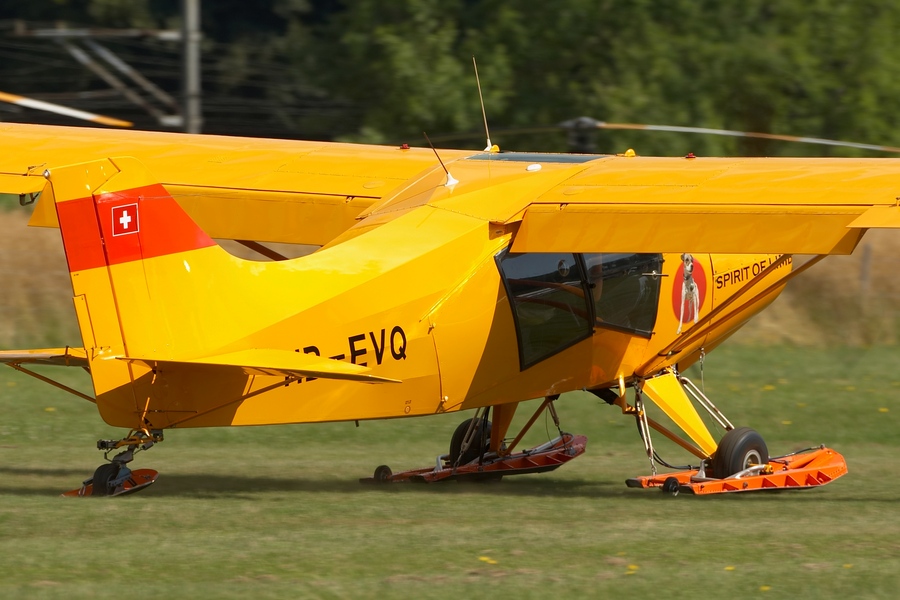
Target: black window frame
x=621, y=328
x=589, y=309
x=588, y=288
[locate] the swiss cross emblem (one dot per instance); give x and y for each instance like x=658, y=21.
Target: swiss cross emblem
x=125, y=219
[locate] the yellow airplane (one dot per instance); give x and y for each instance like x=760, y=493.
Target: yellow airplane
x=446, y=281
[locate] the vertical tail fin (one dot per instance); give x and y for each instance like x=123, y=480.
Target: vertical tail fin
x=115, y=222
x=115, y=213
x=122, y=232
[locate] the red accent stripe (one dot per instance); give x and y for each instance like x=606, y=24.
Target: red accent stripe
x=80, y=234
x=164, y=228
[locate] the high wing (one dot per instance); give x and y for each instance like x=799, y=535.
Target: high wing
x=716, y=205
x=580, y=203
x=313, y=192
x=234, y=188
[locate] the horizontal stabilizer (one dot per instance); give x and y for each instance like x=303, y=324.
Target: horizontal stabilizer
x=61, y=357
x=278, y=363
x=17, y=184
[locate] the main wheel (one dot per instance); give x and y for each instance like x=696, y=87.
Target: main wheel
x=481, y=442
x=102, y=476
x=739, y=449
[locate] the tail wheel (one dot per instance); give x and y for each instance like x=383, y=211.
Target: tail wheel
x=481, y=442
x=739, y=449
x=383, y=474
x=671, y=486
x=102, y=476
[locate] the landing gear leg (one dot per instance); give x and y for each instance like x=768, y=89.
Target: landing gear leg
x=740, y=462
x=471, y=457
x=114, y=478
x=644, y=427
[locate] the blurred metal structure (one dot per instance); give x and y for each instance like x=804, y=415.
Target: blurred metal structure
x=82, y=44
x=190, y=17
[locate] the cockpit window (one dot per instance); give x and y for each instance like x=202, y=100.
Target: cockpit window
x=625, y=290
x=559, y=299
x=549, y=300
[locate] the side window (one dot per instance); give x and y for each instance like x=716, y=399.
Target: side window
x=625, y=290
x=549, y=301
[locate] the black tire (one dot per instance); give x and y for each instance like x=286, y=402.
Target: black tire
x=739, y=449
x=102, y=476
x=383, y=474
x=671, y=486
x=481, y=444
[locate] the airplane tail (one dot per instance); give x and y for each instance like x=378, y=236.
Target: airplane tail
x=121, y=232
x=153, y=291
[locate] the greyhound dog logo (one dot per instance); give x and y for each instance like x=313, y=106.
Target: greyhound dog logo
x=690, y=293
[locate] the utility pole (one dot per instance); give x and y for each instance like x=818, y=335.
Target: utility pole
x=193, y=116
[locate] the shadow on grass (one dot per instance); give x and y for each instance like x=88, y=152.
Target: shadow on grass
x=204, y=485
x=248, y=487
x=215, y=485
x=44, y=472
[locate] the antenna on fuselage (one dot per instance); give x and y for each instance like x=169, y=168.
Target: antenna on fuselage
x=451, y=180
x=487, y=132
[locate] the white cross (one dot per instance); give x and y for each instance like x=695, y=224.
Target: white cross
x=125, y=219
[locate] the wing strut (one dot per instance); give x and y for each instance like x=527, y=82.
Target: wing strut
x=56, y=384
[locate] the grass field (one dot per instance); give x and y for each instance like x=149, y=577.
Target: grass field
x=277, y=512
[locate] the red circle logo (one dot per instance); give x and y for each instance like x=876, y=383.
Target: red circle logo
x=688, y=294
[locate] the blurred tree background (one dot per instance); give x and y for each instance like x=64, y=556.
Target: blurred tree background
x=374, y=71
x=383, y=71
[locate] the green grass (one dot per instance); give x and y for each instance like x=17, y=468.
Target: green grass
x=277, y=512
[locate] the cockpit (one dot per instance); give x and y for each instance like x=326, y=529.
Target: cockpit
x=559, y=299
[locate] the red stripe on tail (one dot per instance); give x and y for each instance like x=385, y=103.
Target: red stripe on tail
x=124, y=226
x=80, y=234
